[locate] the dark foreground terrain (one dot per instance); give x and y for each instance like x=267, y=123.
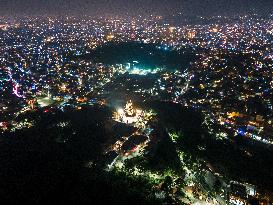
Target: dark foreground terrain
x=53, y=163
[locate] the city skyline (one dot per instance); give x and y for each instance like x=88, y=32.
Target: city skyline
x=136, y=102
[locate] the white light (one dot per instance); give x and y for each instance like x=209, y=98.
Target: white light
x=120, y=111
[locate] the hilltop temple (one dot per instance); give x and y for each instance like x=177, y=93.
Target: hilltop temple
x=129, y=114
x=129, y=109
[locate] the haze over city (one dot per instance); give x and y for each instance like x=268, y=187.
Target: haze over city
x=135, y=7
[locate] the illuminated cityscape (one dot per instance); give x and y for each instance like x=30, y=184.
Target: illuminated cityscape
x=137, y=109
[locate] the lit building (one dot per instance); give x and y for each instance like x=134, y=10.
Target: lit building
x=191, y=34
x=129, y=109
x=129, y=114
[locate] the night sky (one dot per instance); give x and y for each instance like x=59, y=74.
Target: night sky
x=121, y=7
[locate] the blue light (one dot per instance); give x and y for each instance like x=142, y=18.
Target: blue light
x=241, y=131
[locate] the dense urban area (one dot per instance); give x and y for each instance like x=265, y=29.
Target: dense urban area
x=137, y=110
